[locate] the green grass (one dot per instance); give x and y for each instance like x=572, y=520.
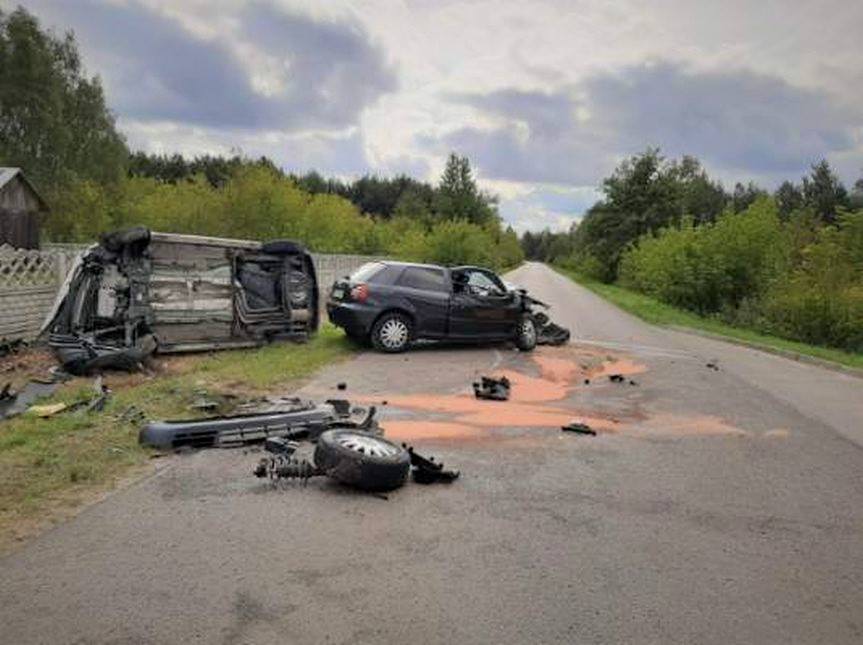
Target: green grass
x=659, y=313
x=49, y=465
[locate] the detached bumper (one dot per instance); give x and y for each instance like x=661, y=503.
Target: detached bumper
x=355, y=318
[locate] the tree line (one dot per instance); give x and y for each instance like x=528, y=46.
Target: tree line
x=55, y=124
x=788, y=262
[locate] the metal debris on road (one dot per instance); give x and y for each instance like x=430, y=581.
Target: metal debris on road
x=492, y=389
x=579, y=428
x=428, y=471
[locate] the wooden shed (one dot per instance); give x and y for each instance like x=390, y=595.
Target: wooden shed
x=21, y=210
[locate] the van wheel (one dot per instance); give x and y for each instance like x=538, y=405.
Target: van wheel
x=525, y=338
x=392, y=333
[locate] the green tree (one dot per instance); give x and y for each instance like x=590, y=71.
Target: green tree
x=744, y=196
x=823, y=192
x=53, y=119
x=459, y=198
x=789, y=198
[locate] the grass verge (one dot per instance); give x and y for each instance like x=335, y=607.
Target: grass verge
x=50, y=466
x=658, y=313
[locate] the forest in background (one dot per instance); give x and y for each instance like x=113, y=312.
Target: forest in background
x=788, y=263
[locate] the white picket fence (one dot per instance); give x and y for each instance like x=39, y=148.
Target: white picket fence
x=29, y=280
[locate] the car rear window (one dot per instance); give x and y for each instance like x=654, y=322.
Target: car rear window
x=423, y=278
x=366, y=272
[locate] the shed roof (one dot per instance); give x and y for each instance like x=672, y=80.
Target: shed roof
x=7, y=174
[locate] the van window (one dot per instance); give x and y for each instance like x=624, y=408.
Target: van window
x=423, y=278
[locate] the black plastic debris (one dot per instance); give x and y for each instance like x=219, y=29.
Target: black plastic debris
x=492, y=389
x=547, y=332
x=712, y=365
x=342, y=386
x=632, y=382
x=579, y=428
x=616, y=378
x=587, y=381
x=427, y=470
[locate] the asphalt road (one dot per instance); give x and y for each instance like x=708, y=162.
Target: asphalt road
x=713, y=507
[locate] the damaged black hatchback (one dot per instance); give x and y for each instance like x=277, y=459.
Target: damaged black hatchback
x=139, y=292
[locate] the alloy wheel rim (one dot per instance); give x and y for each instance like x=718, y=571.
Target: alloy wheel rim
x=528, y=331
x=394, y=334
x=366, y=444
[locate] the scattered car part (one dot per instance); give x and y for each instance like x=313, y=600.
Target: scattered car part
x=361, y=459
x=552, y=334
x=616, y=378
x=292, y=418
x=427, y=470
x=47, y=409
x=492, y=389
x=138, y=292
x=14, y=403
x=579, y=428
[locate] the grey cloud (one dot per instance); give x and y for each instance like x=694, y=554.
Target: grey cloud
x=733, y=120
x=156, y=70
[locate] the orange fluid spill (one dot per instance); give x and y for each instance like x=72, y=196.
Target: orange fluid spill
x=530, y=389
x=619, y=366
x=673, y=425
x=557, y=370
x=411, y=430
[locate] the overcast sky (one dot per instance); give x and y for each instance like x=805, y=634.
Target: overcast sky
x=545, y=97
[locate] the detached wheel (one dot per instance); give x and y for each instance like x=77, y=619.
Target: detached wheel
x=362, y=460
x=525, y=338
x=392, y=333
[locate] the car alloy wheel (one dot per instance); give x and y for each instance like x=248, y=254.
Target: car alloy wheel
x=394, y=334
x=367, y=444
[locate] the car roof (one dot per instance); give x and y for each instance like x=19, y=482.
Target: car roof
x=470, y=266
x=418, y=265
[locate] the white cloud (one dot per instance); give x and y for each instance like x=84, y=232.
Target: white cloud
x=347, y=86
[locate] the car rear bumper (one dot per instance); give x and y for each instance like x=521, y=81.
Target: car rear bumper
x=354, y=317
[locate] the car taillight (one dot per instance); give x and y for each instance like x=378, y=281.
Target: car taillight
x=360, y=293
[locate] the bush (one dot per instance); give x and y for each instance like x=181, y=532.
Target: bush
x=799, y=280
x=259, y=203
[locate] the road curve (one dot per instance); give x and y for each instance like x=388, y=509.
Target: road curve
x=713, y=507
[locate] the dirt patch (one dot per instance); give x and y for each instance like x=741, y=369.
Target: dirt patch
x=777, y=433
x=21, y=366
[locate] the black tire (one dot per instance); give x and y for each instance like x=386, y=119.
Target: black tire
x=525, y=337
x=362, y=460
x=392, y=333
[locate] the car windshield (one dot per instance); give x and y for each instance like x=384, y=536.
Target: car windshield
x=483, y=282
x=366, y=272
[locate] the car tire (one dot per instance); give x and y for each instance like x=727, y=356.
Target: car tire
x=392, y=333
x=525, y=338
x=362, y=460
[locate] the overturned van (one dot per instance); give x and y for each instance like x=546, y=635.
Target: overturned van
x=138, y=292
